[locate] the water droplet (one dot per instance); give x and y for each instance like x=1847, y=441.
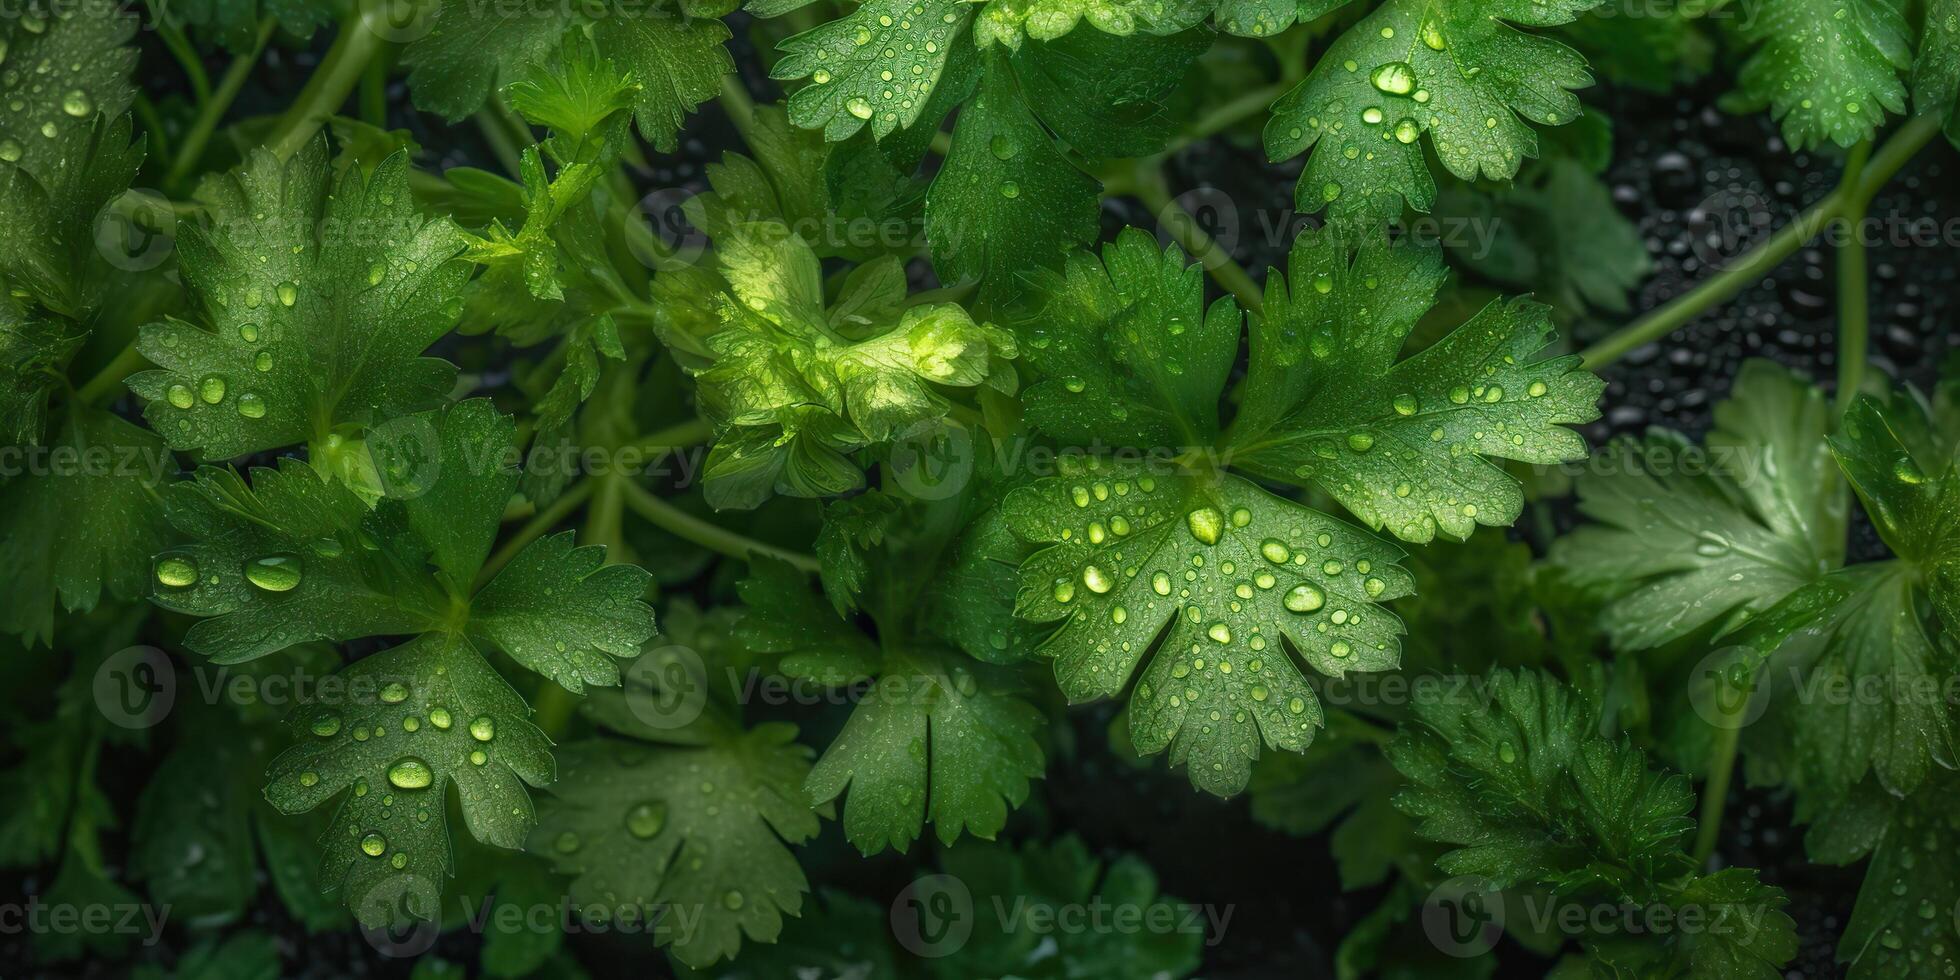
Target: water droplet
x=858, y=107
x=1010, y=189
x=176, y=571
x=1275, y=551
x=251, y=406
x=1405, y=404
x=374, y=845
x=566, y=842
x=410, y=773
x=1096, y=579
x=11, y=151
x=274, y=573
x=1003, y=148
x=76, y=103
x=211, y=389
x=821, y=77
x=394, y=692
x=1304, y=598
x=1206, y=524
x=1330, y=190
x=1908, y=472
x=1371, y=115
x=439, y=717
x=180, y=396
x=483, y=728
x=1360, y=442
x=1160, y=583
x=1395, y=78
x=732, y=900
x=645, y=820
x=1432, y=35
x=1507, y=752
x=1064, y=591
x=1407, y=131
x=1537, y=389
x=1340, y=648
x=327, y=725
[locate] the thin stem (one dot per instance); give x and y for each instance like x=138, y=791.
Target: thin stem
x=544, y=520
x=374, y=94
x=1155, y=194
x=1715, y=794
x=1764, y=258
x=680, y=435
x=325, y=92
x=495, y=134
x=152, y=125
x=1853, y=303
x=186, y=55
x=708, y=535
x=740, y=107
x=107, y=381
x=214, y=108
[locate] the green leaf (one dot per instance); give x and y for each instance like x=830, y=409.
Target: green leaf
x=413, y=720
x=690, y=838
x=1517, y=776
x=794, y=388
x=1899, y=925
x=1403, y=444
x=318, y=307
x=1336, y=782
x=65, y=148
x=84, y=522
x=851, y=528
x=837, y=935
x=1006, y=198
x=1221, y=570
x=1828, y=70
x=1265, y=18
x=34, y=354
x=1012, y=21
x=1459, y=72
x=1687, y=538
x=242, y=956
x=878, y=64
x=677, y=60
x=1655, y=51
x=1106, y=96
x=933, y=737
x=1906, y=473
x=1936, y=71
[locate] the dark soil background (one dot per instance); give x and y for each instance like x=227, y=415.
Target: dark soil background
x=1671, y=153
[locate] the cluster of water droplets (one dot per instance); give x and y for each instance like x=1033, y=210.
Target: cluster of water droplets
x=28, y=86
x=907, y=67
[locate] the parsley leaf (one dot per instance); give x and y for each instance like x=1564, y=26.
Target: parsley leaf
x=320, y=300
x=1906, y=473
x=1456, y=71
x=1131, y=545
x=934, y=737
x=797, y=385
x=1827, y=69
x=1893, y=930
x=684, y=832
x=1936, y=72
x=65, y=148
x=1520, y=780
x=87, y=525
x=676, y=59
x=1689, y=538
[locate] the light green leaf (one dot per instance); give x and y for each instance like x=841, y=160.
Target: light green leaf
x=1827, y=69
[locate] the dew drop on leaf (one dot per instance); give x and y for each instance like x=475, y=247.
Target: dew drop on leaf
x=275, y=573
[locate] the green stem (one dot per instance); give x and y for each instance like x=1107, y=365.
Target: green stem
x=542, y=521
x=1155, y=194
x=680, y=435
x=1764, y=258
x=332, y=82
x=553, y=712
x=740, y=107
x=1715, y=794
x=708, y=535
x=1853, y=303
x=199, y=135
x=186, y=55
x=152, y=125
x=495, y=134
x=374, y=94
x=108, y=381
